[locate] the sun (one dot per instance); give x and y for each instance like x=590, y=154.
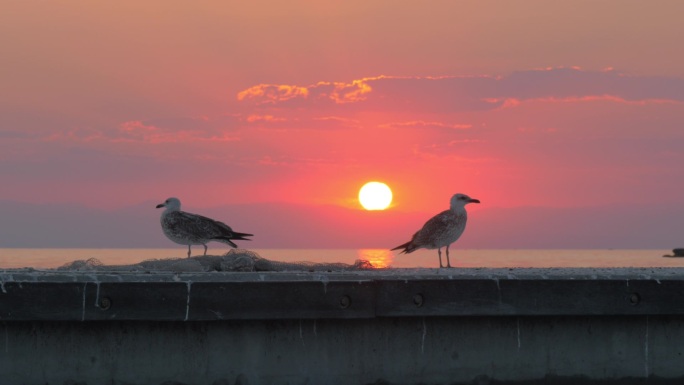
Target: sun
x=375, y=196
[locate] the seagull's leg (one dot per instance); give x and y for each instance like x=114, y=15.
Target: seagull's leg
x=439, y=252
x=188, y=251
x=205, y=249
x=448, y=262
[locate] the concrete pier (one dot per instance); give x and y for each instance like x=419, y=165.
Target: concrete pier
x=398, y=326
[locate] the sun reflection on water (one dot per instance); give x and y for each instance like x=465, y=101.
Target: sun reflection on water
x=379, y=258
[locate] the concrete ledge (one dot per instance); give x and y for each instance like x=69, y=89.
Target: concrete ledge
x=423, y=326
x=408, y=350
x=31, y=295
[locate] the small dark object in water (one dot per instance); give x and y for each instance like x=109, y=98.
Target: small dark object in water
x=676, y=253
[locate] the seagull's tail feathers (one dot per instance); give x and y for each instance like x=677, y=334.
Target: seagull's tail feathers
x=233, y=236
x=407, y=247
x=242, y=236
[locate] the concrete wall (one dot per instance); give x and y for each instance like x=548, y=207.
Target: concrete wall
x=422, y=326
x=408, y=350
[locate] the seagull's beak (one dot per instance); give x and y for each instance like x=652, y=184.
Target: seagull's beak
x=474, y=200
x=161, y=205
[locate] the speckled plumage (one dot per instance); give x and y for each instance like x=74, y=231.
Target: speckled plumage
x=441, y=230
x=192, y=229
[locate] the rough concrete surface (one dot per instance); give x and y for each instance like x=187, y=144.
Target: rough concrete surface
x=430, y=350
x=467, y=326
x=104, y=275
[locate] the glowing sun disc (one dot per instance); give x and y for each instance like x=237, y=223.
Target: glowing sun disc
x=375, y=196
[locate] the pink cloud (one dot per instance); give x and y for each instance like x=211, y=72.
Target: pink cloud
x=467, y=93
x=299, y=122
x=201, y=130
x=427, y=124
x=346, y=93
x=264, y=118
x=513, y=102
x=155, y=131
x=333, y=122
x=73, y=135
x=272, y=93
x=336, y=92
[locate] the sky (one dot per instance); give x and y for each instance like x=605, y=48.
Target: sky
x=539, y=108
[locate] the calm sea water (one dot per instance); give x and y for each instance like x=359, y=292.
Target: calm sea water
x=50, y=258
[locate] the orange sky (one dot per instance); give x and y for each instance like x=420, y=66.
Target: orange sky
x=524, y=103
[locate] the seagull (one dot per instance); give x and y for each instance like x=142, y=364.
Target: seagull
x=441, y=230
x=192, y=229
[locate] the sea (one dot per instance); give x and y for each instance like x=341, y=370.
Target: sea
x=49, y=258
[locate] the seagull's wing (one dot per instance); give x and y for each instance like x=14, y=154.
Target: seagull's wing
x=212, y=229
x=192, y=225
x=433, y=229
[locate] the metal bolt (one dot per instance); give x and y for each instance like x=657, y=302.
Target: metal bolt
x=418, y=300
x=345, y=302
x=634, y=298
x=105, y=303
